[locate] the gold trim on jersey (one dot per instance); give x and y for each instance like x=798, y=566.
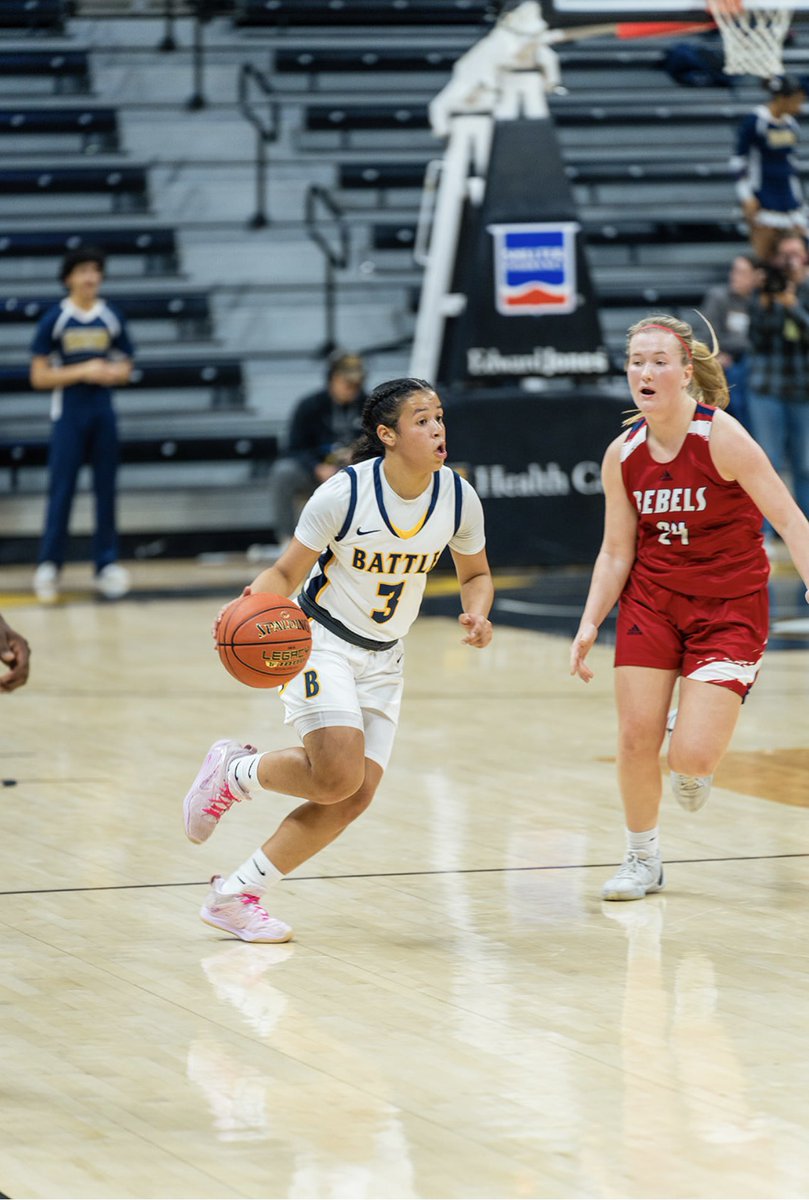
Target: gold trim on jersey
x=405, y=534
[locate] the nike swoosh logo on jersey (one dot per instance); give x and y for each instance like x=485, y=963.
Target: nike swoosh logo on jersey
x=362, y=532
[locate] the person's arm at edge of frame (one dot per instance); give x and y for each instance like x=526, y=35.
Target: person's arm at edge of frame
x=614, y=561
x=477, y=596
x=737, y=456
x=16, y=654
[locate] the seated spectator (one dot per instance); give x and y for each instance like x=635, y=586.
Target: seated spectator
x=324, y=426
x=727, y=308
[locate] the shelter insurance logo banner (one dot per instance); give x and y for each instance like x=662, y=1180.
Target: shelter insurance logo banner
x=535, y=268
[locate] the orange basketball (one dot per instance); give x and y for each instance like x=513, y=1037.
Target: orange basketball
x=263, y=640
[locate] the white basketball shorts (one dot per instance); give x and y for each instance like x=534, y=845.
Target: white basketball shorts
x=343, y=684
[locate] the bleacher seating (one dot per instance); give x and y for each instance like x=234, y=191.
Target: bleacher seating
x=33, y=16
x=62, y=70
x=186, y=407
x=221, y=377
x=381, y=174
x=666, y=295
x=654, y=172
x=606, y=130
x=678, y=109
x=126, y=185
x=157, y=246
x=393, y=235
x=96, y=128
x=409, y=174
x=685, y=229
x=606, y=57
x=382, y=59
x=33, y=452
x=566, y=113
x=628, y=230
x=343, y=118
x=190, y=311
x=368, y=13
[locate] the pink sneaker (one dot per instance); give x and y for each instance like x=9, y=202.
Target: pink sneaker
x=210, y=797
x=242, y=915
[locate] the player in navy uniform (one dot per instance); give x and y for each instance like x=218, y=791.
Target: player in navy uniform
x=364, y=544
x=81, y=350
x=683, y=553
x=767, y=180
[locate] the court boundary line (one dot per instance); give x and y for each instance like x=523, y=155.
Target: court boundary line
x=124, y=887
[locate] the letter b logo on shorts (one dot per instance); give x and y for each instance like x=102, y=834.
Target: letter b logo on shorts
x=311, y=686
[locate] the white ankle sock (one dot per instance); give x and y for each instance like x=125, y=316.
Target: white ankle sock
x=253, y=876
x=244, y=774
x=646, y=844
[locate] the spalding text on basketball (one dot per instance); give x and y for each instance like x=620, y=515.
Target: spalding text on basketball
x=265, y=628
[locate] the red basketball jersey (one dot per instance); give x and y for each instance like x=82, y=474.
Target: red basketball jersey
x=698, y=534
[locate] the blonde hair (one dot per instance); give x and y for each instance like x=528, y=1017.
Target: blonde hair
x=708, y=384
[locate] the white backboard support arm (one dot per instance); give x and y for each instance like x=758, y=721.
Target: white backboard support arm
x=504, y=76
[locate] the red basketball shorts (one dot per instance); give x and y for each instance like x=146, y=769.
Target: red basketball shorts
x=716, y=641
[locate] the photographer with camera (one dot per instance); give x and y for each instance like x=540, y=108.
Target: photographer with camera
x=778, y=397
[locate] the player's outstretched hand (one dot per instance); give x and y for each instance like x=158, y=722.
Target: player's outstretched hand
x=479, y=630
x=248, y=591
x=16, y=654
x=582, y=644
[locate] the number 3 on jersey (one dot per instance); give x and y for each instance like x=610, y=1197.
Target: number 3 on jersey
x=672, y=529
x=391, y=594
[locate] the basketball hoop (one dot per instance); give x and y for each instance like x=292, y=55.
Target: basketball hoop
x=752, y=37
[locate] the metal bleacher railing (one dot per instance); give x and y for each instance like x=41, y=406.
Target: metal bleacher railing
x=321, y=211
x=264, y=115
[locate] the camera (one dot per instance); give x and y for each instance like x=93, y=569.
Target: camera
x=776, y=280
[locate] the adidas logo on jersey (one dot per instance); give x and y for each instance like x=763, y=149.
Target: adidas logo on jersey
x=666, y=477
x=634, y=631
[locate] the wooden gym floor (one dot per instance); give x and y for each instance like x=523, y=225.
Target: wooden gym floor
x=459, y=1014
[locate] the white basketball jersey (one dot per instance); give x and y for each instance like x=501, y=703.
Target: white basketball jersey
x=377, y=549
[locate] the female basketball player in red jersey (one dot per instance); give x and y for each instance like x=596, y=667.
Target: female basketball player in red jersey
x=685, y=489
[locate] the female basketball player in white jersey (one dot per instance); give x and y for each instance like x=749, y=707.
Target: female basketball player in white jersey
x=364, y=545
x=685, y=489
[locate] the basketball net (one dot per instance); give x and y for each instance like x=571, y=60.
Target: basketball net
x=753, y=38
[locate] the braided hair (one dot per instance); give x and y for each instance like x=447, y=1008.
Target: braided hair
x=708, y=384
x=383, y=406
